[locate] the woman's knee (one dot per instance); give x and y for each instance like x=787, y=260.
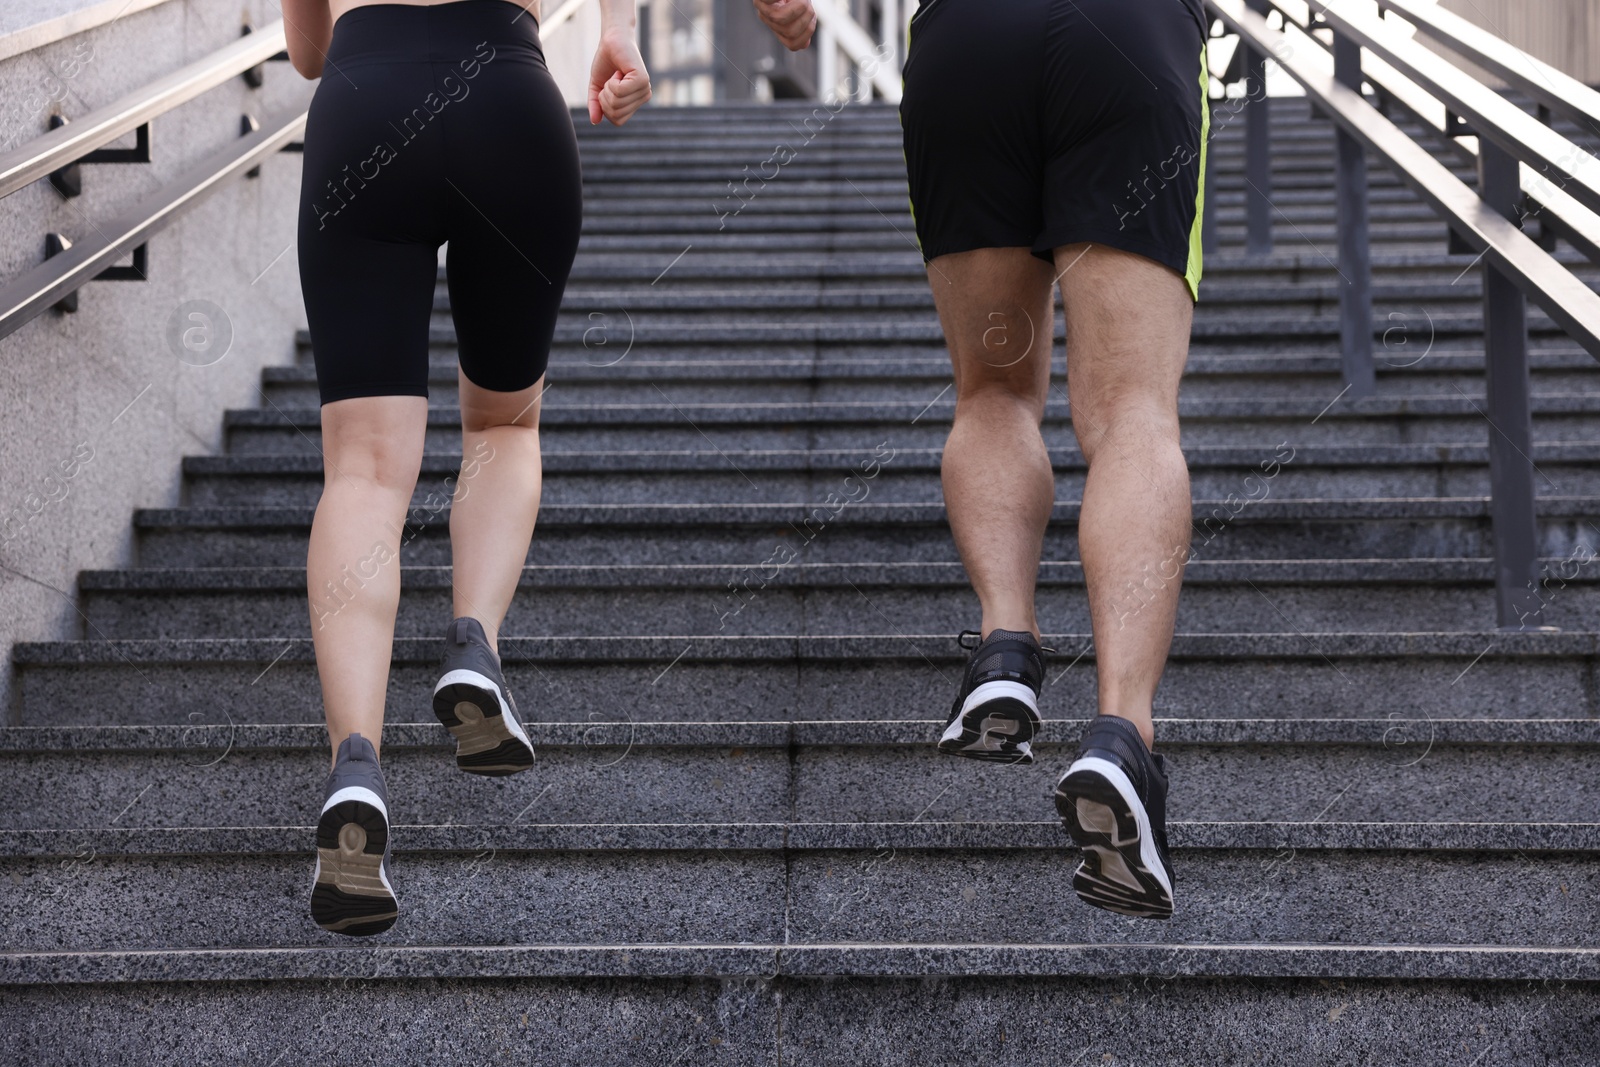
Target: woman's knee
x=483, y=409
x=375, y=440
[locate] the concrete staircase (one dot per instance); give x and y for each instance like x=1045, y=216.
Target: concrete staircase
x=735, y=645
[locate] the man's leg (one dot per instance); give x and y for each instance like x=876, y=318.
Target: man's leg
x=1128, y=322
x=995, y=307
x=1127, y=338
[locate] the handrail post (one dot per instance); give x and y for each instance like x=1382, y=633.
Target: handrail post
x=1505, y=340
x=1355, y=251
x=891, y=30
x=1257, y=147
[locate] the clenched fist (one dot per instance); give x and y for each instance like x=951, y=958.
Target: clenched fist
x=792, y=20
x=618, y=83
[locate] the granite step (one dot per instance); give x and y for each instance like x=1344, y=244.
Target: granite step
x=802, y=299
x=789, y=196
x=926, y=882
x=836, y=531
x=1397, y=771
x=736, y=378
x=706, y=476
x=1405, y=1004
x=744, y=209
x=1323, y=235
x=1212, y=365
x=913, y=296
x=1474, y=964
x=1269, y=426
x=1219, y=596
x=1288, y=262
x=1278, y=326
x=842, y=158
x=601, y=680
x=1273, y=423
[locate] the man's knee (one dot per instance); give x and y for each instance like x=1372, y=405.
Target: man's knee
x=1130, y=422
x=1005, y=365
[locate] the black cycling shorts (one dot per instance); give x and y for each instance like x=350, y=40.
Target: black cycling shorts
x=435, y=124
x=1041, y=123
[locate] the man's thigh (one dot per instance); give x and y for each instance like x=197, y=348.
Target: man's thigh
x=1128, y=321
x=995, y=307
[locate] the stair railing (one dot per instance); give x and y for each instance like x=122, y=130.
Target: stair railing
x=58, y=155
x=876, y=62
x=1520, y=161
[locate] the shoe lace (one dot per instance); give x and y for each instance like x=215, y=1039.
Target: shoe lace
x=977, y=639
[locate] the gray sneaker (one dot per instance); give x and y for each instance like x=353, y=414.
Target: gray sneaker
x=350, y=892
x=1113, y=801
x=474, y=704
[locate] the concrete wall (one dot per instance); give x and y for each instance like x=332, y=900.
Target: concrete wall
x=99, y=407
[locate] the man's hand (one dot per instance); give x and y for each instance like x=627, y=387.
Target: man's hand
x=618, y=83
x=792, y=20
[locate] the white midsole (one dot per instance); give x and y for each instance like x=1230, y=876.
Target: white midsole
x=463, y=676
x=1147, y=844
x=991, y=690
x=357, y=792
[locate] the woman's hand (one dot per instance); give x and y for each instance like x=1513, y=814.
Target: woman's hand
x=792, y=20
x=618, y=83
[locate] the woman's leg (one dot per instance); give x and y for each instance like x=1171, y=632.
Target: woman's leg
x=496, y=501
x=372, y=454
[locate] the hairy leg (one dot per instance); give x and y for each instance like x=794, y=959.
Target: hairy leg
x=1128, y=321
x=496, y=500
x=995, y=307
x=372, y=453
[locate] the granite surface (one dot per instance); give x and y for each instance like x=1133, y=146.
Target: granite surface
x=1485, y=963
x=928, y=835
x=825, y=783
x=494, y=889
x=788, y=1022
x=1395, y=733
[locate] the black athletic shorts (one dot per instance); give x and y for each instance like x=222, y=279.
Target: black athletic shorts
x=1040, y=123
x=435, y=124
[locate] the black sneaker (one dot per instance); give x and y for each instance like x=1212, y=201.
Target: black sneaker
x=350, y=891
x=1113, y=800
x=474, y=704
x=996, y=711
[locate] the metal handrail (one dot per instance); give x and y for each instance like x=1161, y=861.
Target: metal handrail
x=1564, y=297
x=859, y=46
x=1486, y=113
x=39, y=288
x=1488, y=220
x=42, y=156
x=1554, y=208
x=1560, y=93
